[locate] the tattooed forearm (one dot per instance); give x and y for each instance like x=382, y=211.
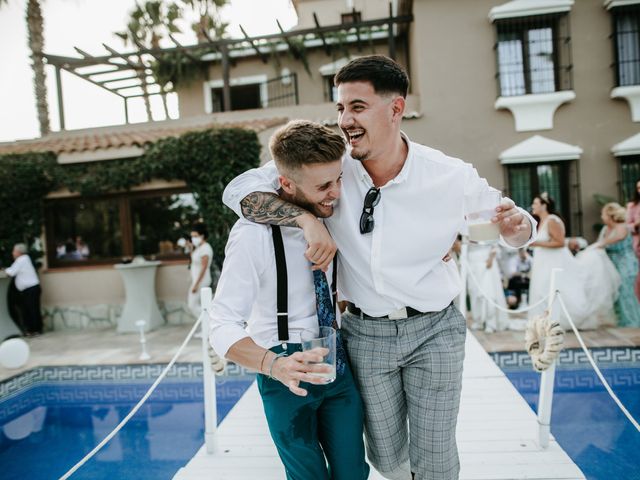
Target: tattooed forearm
x=262, y=207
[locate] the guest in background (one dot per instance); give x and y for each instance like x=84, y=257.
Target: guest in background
x=519, y=270
x=633, y=222
x=485, y=289
x=616, y=240
x=200, y=268
x=549, y=252
x=28, y=285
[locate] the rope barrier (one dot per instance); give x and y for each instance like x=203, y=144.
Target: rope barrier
x=595, y=367
x=547, y=329
x=499, y=307
x=136, y=408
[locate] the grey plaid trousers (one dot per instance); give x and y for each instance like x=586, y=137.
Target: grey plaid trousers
x=409, y=368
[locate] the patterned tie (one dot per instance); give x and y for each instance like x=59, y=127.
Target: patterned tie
x=327, y=316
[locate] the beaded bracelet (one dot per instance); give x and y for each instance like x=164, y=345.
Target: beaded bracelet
x=273, y=361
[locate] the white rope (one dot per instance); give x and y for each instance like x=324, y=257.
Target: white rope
x=134, y=409
x=499, y=307
x=595, y=367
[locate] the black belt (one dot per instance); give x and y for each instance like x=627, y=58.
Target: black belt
x=411, y=312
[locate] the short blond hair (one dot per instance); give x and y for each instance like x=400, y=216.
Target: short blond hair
x=301, y=142
x=615, y=211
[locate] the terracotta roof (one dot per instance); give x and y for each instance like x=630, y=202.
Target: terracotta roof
x=132, y=135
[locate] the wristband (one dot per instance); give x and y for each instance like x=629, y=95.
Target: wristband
x=273, y=361
x=262, y=361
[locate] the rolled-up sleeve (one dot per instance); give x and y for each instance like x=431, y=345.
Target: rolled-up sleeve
x=237, y=287
x=475, y=184
x=263, y=179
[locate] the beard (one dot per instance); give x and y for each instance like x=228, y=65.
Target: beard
x=314, y=208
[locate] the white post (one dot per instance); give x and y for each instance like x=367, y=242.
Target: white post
x=462, y=299
x=144, y=355
x=545, y=398
x=210, y=414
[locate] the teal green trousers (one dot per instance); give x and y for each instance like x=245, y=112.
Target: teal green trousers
x=318, y=437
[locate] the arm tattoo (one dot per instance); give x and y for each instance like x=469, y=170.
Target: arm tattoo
x=262, y=207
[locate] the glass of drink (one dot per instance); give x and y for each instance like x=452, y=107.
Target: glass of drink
x=323, y=337
x=479, y=209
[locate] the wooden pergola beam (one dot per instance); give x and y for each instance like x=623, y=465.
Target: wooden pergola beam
x=262, y=56
x=327, y=47
x=216, y=44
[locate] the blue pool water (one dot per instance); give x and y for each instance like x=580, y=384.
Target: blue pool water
x=585, y=420
x=49, y=426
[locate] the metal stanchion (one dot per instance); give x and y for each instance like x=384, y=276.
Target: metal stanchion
x=210, y=413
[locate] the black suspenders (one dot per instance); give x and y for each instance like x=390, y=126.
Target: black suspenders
x=283, y=293
x=282, y=287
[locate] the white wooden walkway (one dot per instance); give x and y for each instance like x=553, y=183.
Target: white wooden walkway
x=497, y=435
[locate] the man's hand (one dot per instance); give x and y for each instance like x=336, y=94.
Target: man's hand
x=515, y=228
x=293, y=369
x=321, y=247
x=194, y=289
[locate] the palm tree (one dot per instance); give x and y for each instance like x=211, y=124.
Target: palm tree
x=147, y=26
x=35, y=28
x=35, y=32
x=209, y=23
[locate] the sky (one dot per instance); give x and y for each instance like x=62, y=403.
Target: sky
x=87, y=24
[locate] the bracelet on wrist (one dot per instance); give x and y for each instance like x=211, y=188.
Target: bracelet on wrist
x=262, y=361
x=273, y=361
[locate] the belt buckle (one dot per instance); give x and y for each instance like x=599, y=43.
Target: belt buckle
x=398, y=314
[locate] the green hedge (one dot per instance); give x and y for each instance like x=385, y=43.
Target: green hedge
x=206, y=161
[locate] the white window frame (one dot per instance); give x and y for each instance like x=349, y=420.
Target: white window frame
x=246, y=80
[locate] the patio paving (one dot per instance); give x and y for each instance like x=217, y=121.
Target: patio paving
x=106, y=347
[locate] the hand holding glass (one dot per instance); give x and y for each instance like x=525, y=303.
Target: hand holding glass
x=324, y=337
x=479, y=209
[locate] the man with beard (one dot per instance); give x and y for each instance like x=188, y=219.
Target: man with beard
x=313, y=423
x=401, y=210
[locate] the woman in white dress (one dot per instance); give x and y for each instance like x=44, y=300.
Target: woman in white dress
x=485, y=277
x=549, y=252
x=200, y=268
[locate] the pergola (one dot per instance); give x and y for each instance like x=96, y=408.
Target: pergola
x=129, y=75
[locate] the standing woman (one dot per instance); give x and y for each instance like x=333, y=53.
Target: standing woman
x=633, y=222
x=616, y=240
x=549, y=252
x=201, y=257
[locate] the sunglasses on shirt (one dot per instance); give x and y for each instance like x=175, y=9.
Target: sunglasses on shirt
x=371, y=199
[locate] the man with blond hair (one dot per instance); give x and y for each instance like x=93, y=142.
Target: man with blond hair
x=316, y=426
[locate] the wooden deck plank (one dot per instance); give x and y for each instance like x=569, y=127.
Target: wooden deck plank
x=497, y=435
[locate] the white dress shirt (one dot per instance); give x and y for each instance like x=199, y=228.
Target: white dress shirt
x=421, y=211
x=246, y=291
x=24, y=271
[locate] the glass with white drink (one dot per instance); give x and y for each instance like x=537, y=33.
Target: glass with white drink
x=479, y=209
x=323, y=337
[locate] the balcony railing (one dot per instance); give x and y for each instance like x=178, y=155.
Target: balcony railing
x=281, y=91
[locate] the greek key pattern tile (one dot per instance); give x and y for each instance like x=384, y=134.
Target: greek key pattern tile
x=573, y=358
x=112, y=373
x=125, y=395
x=574, y=381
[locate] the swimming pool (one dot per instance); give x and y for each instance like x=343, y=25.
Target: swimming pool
x=585, y=420
x=51, y=417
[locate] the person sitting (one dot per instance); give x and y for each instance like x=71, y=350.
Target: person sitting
x=519, y=269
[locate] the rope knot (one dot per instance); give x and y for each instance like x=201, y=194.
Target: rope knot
x=544, y=340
